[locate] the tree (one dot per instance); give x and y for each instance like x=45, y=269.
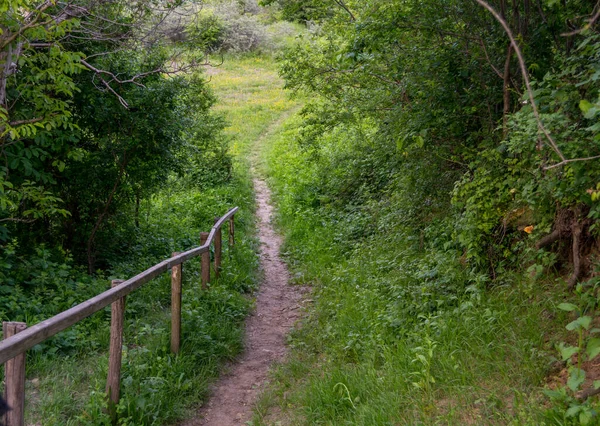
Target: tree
x=443, y=78
x=92, y=114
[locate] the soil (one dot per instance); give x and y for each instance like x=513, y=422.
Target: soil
x=277, y=309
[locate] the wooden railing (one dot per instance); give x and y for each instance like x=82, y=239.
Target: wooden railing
x=18, y=338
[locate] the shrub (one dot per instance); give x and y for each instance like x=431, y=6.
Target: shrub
x=207, y=32
x=244, y=34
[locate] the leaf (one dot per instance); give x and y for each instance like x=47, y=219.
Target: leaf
x=593, y=348
x=576, y=378
x=567, y=352
x=573, y=325
x=573, y=411
x=585, y=106
x=567, y=307
x=554, y=394
x=585, y=321
x=592, y=112
x=581, y=322
x=585, y=417
x=419, y=141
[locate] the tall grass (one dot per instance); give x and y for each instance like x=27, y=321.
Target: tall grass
x=400, y=331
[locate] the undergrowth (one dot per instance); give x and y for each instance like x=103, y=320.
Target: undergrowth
x=66, y=375
x=402, y=329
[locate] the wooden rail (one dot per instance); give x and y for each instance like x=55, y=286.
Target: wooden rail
x=17, y=344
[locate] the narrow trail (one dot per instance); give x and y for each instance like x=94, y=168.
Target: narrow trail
x=277, y=309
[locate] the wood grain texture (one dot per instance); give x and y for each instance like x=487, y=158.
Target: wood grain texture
x=117, y=320
x=218, y=250
x=176, y=281
x=205, y=262
x=14, y=379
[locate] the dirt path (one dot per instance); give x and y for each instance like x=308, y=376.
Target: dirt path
x=277, y=308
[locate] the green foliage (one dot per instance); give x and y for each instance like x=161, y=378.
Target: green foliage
x=91, y=125
x=38, y=286
x=509, y=186
x=579, y=360
x=396, y=319
x=35, y=110
x=301, y=10
x=411, y=190
x=207, y=31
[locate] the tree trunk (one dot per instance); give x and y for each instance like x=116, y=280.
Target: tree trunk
x=506, y=89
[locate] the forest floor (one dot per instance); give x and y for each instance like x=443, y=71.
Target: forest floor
x=277, y=302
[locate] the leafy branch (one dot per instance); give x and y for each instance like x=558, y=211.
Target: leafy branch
x=520, y=58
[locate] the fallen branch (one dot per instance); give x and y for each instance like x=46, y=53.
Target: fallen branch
x=548, y=239
x=587, y=393
x=576, y=231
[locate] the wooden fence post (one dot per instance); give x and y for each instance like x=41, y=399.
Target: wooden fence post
x=231, y=233
x=176, y=279
x=14, y=379
x=205, y=263
x=113, y=382
x=218, y=249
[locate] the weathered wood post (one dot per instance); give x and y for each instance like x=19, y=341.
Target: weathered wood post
x=218, y=249
x=205, y=263
x=231, y=232
x=113, y=381
x=14, y=379
x=176, y=279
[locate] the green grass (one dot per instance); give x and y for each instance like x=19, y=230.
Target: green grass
x=157, y=387
x=399, y=331
x=251, y=96
x=66, y=387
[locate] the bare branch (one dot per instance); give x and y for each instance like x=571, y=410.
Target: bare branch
x=30, y=121
x=341, y=4
x=589, y=24
x=498, y=73
x=15, y=219
x=572, y=160
x=115, y=78
x=119, y=97
x=525, y=74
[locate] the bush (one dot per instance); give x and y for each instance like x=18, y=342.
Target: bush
x=239, y=27
x=244, y=34
x=207, y=32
